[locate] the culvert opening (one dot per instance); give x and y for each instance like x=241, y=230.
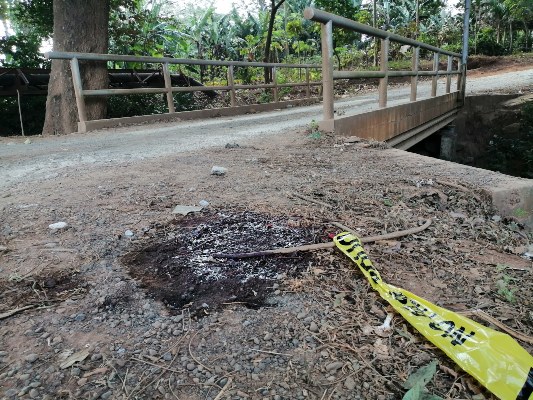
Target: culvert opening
x=493, y=132
x=182, y=273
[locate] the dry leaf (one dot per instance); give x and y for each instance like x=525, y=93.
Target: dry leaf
x=76, y=357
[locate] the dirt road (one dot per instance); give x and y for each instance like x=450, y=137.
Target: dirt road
x=46, y=157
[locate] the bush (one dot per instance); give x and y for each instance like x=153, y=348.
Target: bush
x=32, y=109
x=487, y=45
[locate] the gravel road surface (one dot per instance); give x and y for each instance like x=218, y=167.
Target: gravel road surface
x=44, y=157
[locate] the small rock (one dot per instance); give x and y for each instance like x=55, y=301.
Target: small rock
x=232, y=145
x=220, y=171
x=334, y=366
x=349, y=383
x=58, y=225
x=106, y=395
x=221, y=382
x=96, y=357
x=31, y=358
x=34, y=393
x=75, y=371
x=268, y=336
x=313, y=327
x=457, y=215
x=80, y=317
x=27, y=141
x=496, y=218
x=191, y=367
x=129, y=233
x=82, y=381
x=203, y=203
x=167, y=356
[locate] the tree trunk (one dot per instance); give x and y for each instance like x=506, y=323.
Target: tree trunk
x=79, y=26
x=273, y=11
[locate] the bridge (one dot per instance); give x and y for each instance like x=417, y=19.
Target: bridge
x=402, y=122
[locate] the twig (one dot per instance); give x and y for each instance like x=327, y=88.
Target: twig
x=344, y=227
x=192, y=355
x=20, y=113
x=9, y=313
x=487, y=318
x=319, y=246
x=311, y=200
x=272, y=352
x=172, y=391
x=226, y=387
x=458, y=187
x=156, y=365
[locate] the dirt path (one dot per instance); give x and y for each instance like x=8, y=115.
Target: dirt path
x=46, y=157
x=127, y=301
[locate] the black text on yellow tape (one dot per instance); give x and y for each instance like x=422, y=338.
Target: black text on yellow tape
x=495, y=359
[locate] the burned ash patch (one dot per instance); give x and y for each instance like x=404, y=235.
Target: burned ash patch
x=182, y=272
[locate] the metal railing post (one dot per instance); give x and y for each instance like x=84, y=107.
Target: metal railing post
x=384, y=64
x=414, y=79
x=231, y=84
x=275, y=83
x=168, y=87
x=435, y=80
x=307, y=81
x=327, y=70
x=449, y=77
x=460, y=76
x=78, y=89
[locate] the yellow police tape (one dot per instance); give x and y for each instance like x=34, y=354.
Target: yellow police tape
x=495, y=359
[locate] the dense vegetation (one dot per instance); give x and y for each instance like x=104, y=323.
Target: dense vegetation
x=167, y=28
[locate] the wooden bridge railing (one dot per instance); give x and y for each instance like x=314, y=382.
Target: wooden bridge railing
x=169, y=90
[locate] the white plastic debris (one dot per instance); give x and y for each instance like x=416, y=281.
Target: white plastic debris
x=129, y=233
x=384, y=330
x=184, y=210
x=58, y=225
x=216, y=170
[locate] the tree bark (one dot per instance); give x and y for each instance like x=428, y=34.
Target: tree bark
x=79, y=26
x=273, y=11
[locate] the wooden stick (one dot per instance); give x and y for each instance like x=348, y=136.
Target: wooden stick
x=319, y=246
x=487, y=318
x=226, y=387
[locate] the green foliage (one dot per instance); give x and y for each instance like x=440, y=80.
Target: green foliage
x=145, y=104
x=487, y=44
x=506, y=289
x=417, y=381
x=32, y=109
x=313, y=132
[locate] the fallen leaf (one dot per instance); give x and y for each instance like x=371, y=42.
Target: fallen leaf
x=74, y=358
x=417, y=382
